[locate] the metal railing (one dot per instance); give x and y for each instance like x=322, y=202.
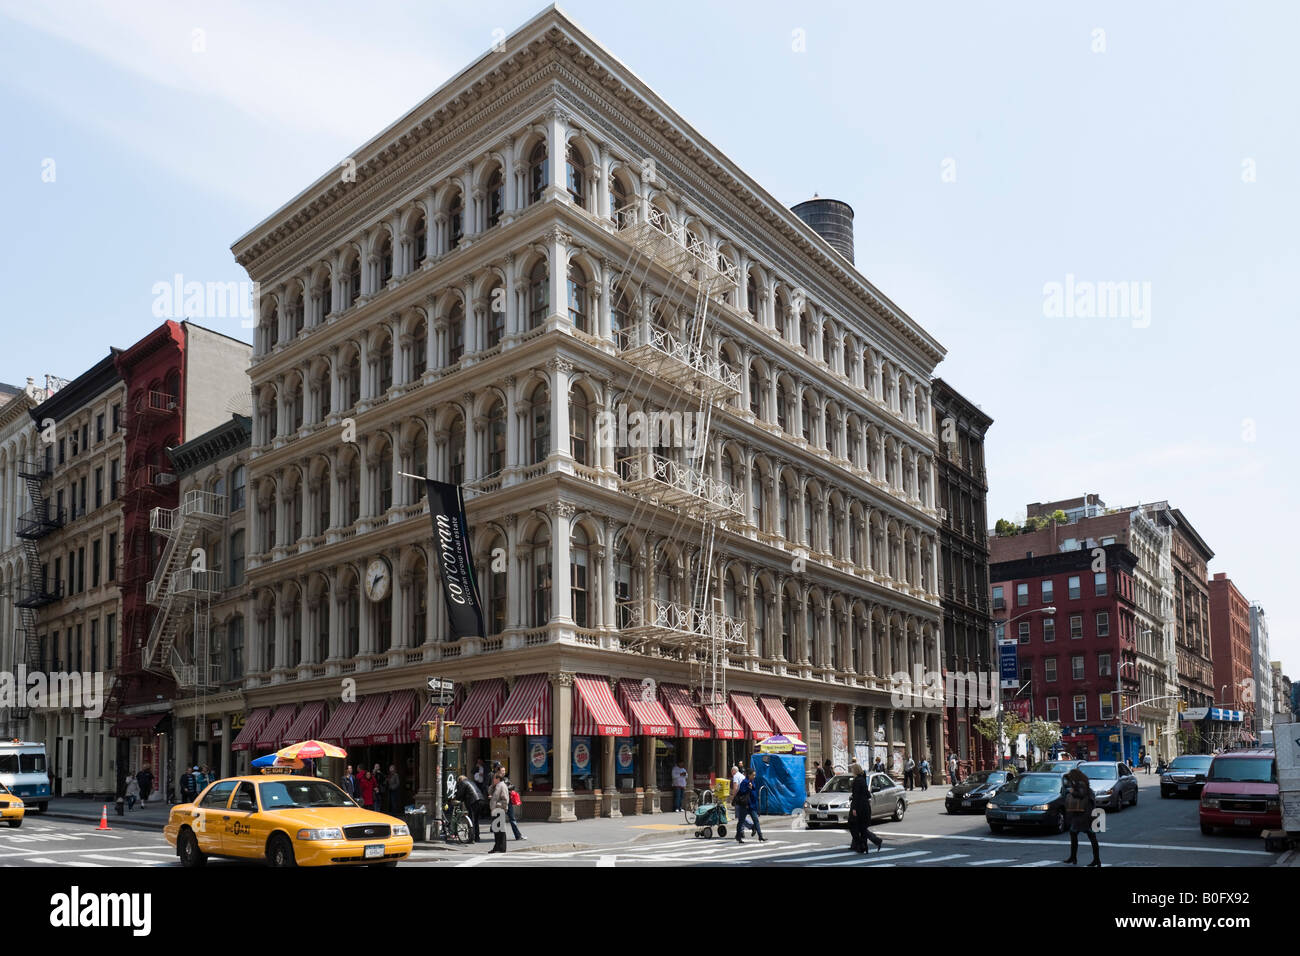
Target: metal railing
x=673, y=483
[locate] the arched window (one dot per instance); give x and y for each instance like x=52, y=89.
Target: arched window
x=751, y=297
x=325, y=293
x=384, y=478
x=296, y=405
x=497, y=590
x=237, y=478
x=805, y=336
x=419, y=461
x=755, y=392
x=541, y=578
x=806, y=418
x=273, y=329
x=419, y=349
x=455, y=220
x=385, y=363
x=455, y=334
x=322, y=642
x=779, y=318
x=456, y=451
x=579, y=591
x=809, y=539
x=323, y=503
x=623, y=584
x=420, y=240
x=579, y=426
x=575, y=171
x=538, y=171
x=785, y=511
x=540, y=415
x=577, y=297
x=269, y=538
x=787, y=627
x=621, y=199
x=781, y=403
x=352, y=610
x=539, y=295
x=620, y=319
x=353, y=372
x=496, y=316
x=296, y=314
x=386, y=260
x=352, y=477
x=496, y=197
x=828, y=345
x=832, y=539
x=354, y=281
x=756, y=493
x=813, y=628
x=496, y=437
x=760, y=618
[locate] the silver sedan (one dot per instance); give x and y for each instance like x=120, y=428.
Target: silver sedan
x=830, y=804
x=1113, y=783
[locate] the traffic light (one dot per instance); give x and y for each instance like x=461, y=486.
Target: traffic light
x=1182, y=706
x=452, y=733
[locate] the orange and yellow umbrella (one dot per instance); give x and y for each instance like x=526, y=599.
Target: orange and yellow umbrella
x=310, y=748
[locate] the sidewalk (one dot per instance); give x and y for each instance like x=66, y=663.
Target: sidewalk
x=152, y=817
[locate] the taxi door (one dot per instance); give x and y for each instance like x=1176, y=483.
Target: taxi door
x=207, y=819
x=238, y=830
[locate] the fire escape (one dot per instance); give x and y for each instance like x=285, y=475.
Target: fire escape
x=688, y=275
x=143, y=486
x=34, y=590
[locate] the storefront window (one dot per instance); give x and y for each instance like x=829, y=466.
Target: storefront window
x=585, y=764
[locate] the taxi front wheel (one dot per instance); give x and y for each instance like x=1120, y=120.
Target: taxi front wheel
x=15, y=824
x=279, y=852
x=187, y=847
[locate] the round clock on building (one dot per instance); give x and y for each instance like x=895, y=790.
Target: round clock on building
x=378, y=578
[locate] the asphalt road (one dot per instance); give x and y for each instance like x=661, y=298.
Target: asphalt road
x=1153, y=833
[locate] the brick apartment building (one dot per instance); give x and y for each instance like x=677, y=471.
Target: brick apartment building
x=1230, y=643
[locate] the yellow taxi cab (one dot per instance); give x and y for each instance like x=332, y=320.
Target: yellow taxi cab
x=12, y=809
x=286, y=820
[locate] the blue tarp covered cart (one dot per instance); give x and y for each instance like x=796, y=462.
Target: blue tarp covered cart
x=781, y=782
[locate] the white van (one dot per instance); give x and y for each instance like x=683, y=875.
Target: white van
x=25, y=771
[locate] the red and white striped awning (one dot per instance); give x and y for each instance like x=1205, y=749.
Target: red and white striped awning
x=392, y=725
x=370, y=709
x=649, y=719
x=272, y=735
x=782, y=722
x=429, y=715
x=596, y=711
x=337, y=726
x=751, y=715
x=528, y=711
x=307, y=724
x=253, y=725
x=690, y=721
x=726, y=725
x=485, y=699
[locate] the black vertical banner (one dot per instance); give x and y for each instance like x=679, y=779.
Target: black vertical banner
x=451, y=542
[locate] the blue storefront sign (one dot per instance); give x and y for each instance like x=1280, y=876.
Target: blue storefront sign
x=538, y=756
x=1009, y=664
x=624, y=760
x=582, y=756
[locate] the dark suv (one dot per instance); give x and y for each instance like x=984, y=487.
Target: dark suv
x=1185, y=774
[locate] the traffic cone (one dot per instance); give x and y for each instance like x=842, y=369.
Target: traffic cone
x=103, y=819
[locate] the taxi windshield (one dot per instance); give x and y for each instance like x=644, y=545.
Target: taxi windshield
x=3, y=788
x=302, y=793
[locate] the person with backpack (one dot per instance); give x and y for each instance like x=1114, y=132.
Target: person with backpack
x=1079, y=804
x=745, y=801
x=515, y=801
x=925, y=773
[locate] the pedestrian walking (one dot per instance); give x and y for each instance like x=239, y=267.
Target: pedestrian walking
x=469, y=795
x=366, y=785
x=349, y=782
x=819, y=776
x=746, y=803
x=145, y=779
x=1146, y=762
x=187, y=786
x=499, y=804
x=860, y=811
x=394, y=790
x=1079, y=805
x=952, y=768
x=132, y=792
x=679, y=784
x=909, y=772
x=925, y=773
x=515, y=801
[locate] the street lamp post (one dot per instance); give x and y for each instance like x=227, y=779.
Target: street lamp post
x=1007, y=623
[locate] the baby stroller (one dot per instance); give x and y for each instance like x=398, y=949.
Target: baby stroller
x=708, y=816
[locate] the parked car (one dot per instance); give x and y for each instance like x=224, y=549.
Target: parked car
x=1185, y=774
x=1241, y=792
x=1029, y=800
x=972, y=794
x=830, y=804
x=1056, y=766
x=1113, y=783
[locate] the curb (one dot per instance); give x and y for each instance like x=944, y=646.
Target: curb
x=94, y=822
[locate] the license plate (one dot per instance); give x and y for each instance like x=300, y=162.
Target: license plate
x=1183, y=786
x=965, y=803
x=374, y=850
x=1242, y=822
x=1013, y=816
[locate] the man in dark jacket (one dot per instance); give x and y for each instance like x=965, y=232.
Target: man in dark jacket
x=470, y=796
x=145, y=779
x=860, y=811
x=1079, y=804
x=350, y=783
x=188, y=787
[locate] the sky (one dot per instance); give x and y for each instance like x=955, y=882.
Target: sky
x=1014, y=168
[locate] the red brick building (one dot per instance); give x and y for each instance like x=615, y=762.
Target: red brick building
x=1069, y=660
x=1230, y=644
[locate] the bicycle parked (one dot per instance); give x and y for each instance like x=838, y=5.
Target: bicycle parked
x=457, y=827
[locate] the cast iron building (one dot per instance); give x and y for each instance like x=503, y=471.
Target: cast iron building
x=541, y=241
x=960, y=427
